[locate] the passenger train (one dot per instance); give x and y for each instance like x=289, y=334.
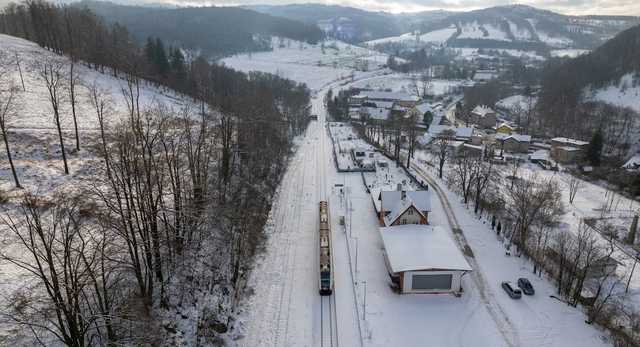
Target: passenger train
x=325, y=251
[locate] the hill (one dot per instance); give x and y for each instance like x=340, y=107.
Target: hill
x=351, y=24
x=615, y=61
x=508, y=27
x=216, y=31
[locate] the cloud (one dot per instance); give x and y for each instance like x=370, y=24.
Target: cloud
x=575, y=7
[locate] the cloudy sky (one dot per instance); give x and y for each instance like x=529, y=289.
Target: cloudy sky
x=578, y=7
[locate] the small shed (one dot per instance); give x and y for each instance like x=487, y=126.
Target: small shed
x=423, y=259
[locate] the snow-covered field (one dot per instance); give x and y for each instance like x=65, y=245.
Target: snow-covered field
x=435, y=36
x=34, y=106
x=485, y=31
x=473, y=53
x=311, y=64
x=568, y=53
x=516, y=102
x=625, y=93
x=404, y=83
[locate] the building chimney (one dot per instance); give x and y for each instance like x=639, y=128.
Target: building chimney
x=404, y=195
x=399, y=187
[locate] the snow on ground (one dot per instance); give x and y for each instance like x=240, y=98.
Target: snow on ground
x=435, y=36
x=393, y=319
x=34, y=140
x=625, y=93
x=538, y=320
x=306, y=63
x=474, y=53
x=569, y=52
x=475, y=30
x=403, y=83
x=553, y=41
x=35, y=108
x=520, y=33
x=346, y=140
x=516, y=102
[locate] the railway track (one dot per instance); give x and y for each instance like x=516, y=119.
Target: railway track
x=328, y=322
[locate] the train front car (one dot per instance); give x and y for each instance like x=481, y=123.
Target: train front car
x=326, y=275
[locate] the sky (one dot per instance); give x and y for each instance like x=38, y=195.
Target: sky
x=572, y=7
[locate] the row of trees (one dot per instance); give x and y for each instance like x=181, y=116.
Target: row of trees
x=526, y=212
x=176, y=211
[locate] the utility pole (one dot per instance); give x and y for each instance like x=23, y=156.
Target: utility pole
x=635, y=262
x=356, y=259
x=364, y=301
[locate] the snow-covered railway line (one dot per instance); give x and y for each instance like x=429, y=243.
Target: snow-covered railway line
x=328, y=322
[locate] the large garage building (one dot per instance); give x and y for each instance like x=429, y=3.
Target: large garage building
x=423, y=259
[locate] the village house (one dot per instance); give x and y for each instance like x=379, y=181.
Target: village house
x=505, y=128
x=484, y=116
x=463, y=134
x=567, y=151
x=513, y=143
x=404, y=207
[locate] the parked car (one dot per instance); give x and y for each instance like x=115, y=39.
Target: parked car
x=526, y=286
x=513, y=292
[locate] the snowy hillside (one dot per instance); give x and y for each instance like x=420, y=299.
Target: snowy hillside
x=313, y=64
x=35, y=108
x=522, y=27
x=436, y=36
x=623, y=93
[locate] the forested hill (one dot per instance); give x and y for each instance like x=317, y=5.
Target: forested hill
x=612, y=60
x=217, y=31
x=564, y=82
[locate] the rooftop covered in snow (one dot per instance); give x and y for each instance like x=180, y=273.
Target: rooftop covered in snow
x=415, y=247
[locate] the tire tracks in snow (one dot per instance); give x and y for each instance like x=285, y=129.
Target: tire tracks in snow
x=504, y=324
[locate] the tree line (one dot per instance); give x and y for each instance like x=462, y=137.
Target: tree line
x=176, y=210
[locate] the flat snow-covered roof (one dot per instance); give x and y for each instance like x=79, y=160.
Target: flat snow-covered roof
x=413, y=247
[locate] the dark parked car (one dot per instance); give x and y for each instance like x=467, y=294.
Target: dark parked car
x=513, y=292
x=526, y=286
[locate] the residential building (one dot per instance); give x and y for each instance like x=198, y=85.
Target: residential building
x=567, y=151
x=505, y=128
x=404, y=207
x=484, y=116
x=513, y=143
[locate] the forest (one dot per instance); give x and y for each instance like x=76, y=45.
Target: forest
x=178, y=201
x=217, y=31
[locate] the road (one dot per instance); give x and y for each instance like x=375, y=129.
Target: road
x=496, y=312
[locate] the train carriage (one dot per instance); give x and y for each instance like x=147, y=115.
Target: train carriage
x=325, y=252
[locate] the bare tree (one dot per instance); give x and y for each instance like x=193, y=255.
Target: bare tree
x=485, y=176
x=58, y=255
x=442, y=147
x=574, y=186
x=526, y=200
x=73, y=83
x=7, y=109
x=412, y=134
x=51, y=73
